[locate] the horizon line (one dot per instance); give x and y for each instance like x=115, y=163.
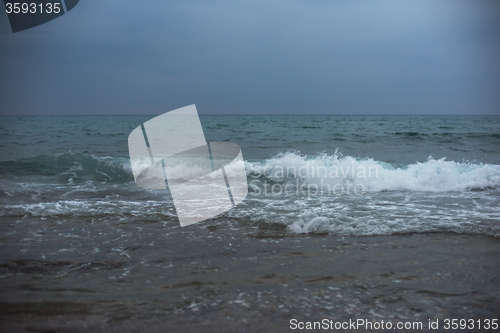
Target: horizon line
x=250, y=114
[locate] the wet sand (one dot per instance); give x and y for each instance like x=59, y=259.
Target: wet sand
x=258, y=283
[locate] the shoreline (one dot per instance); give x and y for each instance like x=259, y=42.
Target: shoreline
x=264, y=282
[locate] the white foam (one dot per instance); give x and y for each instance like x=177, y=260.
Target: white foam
x=330, y=170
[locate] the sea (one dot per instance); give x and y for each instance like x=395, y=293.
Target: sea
x=77, y=229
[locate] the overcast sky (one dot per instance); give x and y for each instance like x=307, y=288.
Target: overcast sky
x=256, y=57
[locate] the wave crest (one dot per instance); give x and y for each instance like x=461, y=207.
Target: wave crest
x=330, y=170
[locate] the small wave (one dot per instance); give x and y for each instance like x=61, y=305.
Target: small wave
x=409, y=133
x=90, y=208
x=80, y=165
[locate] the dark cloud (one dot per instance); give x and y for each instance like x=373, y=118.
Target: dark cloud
x=131, y=57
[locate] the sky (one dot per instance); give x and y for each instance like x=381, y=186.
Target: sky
x=256, y=57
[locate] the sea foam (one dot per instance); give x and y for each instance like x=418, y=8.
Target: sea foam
x=330, y=170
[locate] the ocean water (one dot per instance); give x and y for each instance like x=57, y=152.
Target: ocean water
x=341, y=175
x=74, y=220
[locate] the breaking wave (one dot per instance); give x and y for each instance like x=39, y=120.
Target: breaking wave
x=329, y=170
